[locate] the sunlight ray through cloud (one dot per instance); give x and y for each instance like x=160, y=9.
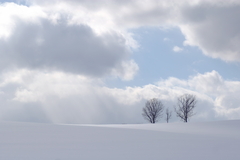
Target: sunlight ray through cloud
x=83, y=62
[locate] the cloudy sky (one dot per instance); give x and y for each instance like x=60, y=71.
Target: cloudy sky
x=83, y=61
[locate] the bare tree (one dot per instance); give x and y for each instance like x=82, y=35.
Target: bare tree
x=168, y=115
x=185, y=106
x=153, y=110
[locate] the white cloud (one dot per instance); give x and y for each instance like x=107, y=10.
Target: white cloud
x=177, y=49
x=127, y=71
x=222, y=93
x=67, y=98
x=166, y=39
x=10, y=12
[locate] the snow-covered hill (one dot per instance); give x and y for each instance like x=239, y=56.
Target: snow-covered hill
x=173, y=141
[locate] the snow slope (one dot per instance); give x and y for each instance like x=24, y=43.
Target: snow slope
x=176, y=141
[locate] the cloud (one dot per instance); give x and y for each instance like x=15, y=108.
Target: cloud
x=61, y=98
x=166, y=39
x=57, y=45
x=177, y=49
x=222, y=93
x=210, y=25
x=215, y=31
x=63, y=49
x=127, y=71
x=58, y=97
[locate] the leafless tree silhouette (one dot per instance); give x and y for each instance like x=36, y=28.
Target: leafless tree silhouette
x=168, y=115
x=153, y=110
x=185, y=106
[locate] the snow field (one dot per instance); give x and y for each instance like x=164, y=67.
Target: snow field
x=173, y=141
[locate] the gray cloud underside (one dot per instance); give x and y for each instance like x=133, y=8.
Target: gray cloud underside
x=69, y=48
x=214, y=29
